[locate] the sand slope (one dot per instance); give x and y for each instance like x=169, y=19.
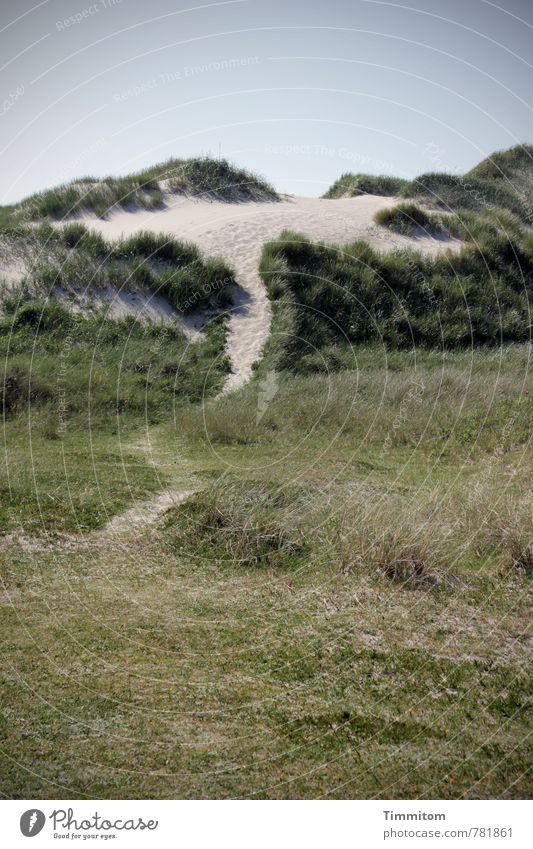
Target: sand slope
x=236, y=232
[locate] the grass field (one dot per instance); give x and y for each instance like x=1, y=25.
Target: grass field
x=341, y=610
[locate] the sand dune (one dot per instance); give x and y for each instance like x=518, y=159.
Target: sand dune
x=119, y=303
x=237, y=232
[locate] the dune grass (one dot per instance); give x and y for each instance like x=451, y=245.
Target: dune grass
x=342, y=606
x=80, y=262
x=454, y=192
x=71, y=388
x=75, y=383
x=409, y=219
x=512, y=169
x=503, y=180
x=200, y=176
x=334, y=297
x=352, y=185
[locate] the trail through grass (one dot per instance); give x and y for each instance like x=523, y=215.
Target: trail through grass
x=274, y=636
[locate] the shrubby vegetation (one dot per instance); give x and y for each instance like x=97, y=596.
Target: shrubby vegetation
x=408, y=218
x=215, y=178
x=503, y=180
x=351, y=185
x=98, y=368
x=335, y=297
x=79, y=261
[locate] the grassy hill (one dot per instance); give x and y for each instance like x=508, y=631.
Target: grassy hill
x=76, y=259
x=504, y=180
x=200, y=176
x=333, y=298
x=76, y=380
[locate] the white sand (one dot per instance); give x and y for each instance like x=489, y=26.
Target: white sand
x=237, y=232
x=119, y=303
x=12, y=270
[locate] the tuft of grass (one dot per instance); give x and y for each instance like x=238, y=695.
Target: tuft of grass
x=235, y=525
x=337, y=297
x=200, y=176
x=503, y=180
x=408, y=219
x=352, y=185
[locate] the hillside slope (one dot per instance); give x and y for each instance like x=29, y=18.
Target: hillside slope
x=237, y=233
x=149, y=189
x=504, y=180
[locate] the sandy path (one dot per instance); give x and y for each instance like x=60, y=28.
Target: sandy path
x=145, y=513
x=237, y=232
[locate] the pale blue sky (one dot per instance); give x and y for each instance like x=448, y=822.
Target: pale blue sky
x=298, y=91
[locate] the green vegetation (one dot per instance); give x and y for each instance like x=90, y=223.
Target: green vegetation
x=452, y=192
x=333, y=298
x=74, y=383
x=78, y=261
x=510, y=167
x=490, y=231
x=504, y=180
x=351, y=185
x=215, y=178
x=238, y=525
x=334, y=599
x=408, y=219
x=10, y=218
x=72, y=388
x=339, y=611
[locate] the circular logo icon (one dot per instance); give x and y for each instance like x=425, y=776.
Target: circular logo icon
x=32, y=822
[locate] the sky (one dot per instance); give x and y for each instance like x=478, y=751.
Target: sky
x=299, y=91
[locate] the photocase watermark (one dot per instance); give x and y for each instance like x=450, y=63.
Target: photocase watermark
x=32, y=822
x=180, y=74
x=96, y=823
x=66, y=825
x=84, y=14
x=268, y=389
x=11, y=99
